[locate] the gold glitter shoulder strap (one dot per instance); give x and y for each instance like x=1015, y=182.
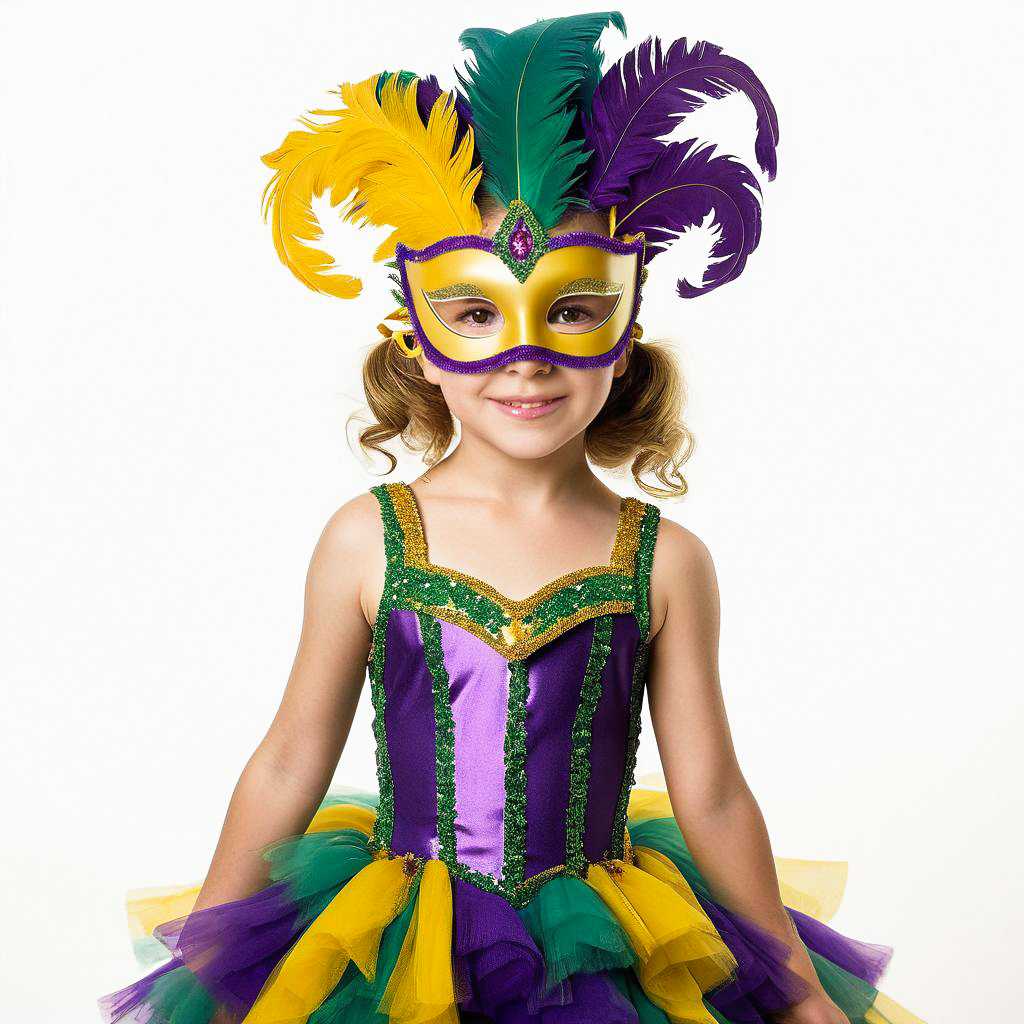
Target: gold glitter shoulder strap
x=394, y=524
x=414, y=543
x=627, y=535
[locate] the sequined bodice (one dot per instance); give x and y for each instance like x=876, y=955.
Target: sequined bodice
x=507, y=731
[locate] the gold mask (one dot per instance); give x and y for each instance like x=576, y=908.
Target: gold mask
x=575, y=307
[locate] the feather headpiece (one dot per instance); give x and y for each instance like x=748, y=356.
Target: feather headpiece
x=542, y=130
x=413, y=175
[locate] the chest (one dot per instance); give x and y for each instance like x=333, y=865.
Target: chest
x=514, y=627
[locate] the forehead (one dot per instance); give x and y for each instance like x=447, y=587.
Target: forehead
x=485, y=271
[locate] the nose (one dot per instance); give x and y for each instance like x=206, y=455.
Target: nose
x=527, y=367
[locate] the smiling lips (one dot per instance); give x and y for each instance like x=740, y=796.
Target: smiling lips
x=528, y=407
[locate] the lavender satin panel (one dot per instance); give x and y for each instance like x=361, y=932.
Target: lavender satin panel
x=556, y=681
x=609, y=735
x=478, y=691
x=410, y=730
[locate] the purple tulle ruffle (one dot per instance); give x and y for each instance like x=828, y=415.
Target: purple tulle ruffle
x=499, y=971
x=231, y=948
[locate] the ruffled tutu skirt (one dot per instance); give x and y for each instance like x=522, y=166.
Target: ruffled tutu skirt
x=345, y=935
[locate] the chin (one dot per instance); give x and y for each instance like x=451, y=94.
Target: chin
x=529, y=445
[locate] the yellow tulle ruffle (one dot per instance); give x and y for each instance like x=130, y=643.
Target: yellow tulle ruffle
x=814, y=887
x=680, y=954
x=348, y=929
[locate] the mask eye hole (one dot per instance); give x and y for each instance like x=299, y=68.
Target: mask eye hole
x=581, y=312
x=469, y=317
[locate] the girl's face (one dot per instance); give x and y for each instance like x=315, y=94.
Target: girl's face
x=528, y=408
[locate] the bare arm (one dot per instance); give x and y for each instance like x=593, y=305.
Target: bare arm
x=287, y=775
x=717, y=813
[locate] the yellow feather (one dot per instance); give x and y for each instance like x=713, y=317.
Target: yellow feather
x=299, y=165
x=404, y=175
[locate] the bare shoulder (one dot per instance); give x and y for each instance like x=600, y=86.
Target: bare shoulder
x=682, y=573
x=353, y=526
x=349, y=553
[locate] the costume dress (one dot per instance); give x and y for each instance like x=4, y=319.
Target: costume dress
x=508, y=868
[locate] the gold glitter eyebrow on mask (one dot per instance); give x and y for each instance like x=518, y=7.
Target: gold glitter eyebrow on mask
x=462, y=290
x=589, y=286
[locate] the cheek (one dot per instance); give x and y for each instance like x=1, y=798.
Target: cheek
x=590, y=387
x=461, y=391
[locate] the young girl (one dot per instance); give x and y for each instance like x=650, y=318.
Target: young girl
x=512, y=611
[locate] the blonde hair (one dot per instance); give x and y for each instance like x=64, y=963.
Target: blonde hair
x=641, y=422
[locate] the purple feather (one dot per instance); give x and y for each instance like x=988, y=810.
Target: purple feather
x=637, y=103
x=427, y=92
x=676, y=193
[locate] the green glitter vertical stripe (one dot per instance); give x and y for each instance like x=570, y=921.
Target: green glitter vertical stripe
x=641, y=610
x=444, y=731
x=515, y=775
x=394, y=550
x=579, y=759
x=642, y=567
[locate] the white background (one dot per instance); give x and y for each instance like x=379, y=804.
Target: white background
x=173, y=407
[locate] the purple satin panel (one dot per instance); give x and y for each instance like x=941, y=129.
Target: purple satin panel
x=608, y=737
x=478, y=689
x=410, y=730
x=556, y=680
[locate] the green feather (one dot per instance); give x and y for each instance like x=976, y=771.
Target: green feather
x=591, y=79
x=524, y=93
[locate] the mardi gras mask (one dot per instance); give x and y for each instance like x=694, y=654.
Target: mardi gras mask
x=476, y=303
x=541, y=128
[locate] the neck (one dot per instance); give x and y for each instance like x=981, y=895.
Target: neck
x=479, y=469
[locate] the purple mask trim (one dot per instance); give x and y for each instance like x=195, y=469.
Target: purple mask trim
x=404, y=254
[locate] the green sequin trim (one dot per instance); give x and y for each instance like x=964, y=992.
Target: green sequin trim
x=589, y=591
x=515, y=775
x=641, y=577
x=579, y=759
x=394, y=550
x=444, y=721
x=463, y=605
x=516, y=895
x=516, y=628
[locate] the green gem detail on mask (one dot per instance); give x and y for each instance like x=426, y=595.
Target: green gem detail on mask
x=394, y=550
x=520, y=240
x=641, y=609
x=579, y=759
x=430, y=630
x=515, y=775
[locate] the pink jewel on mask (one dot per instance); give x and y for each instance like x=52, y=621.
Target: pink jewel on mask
x=520, y=241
